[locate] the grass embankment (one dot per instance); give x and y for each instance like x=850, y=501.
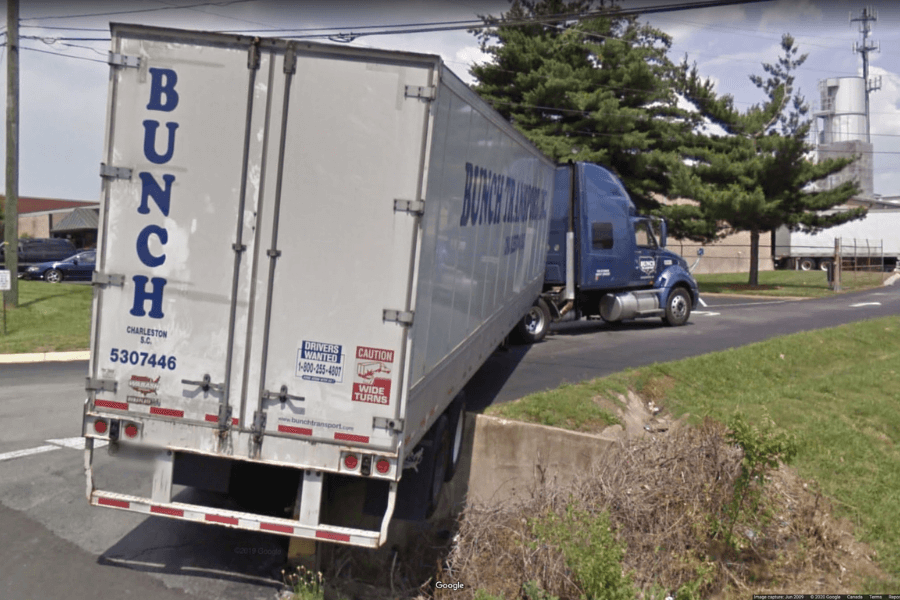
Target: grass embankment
x=835, y=390
x=799, y=284
x=49, y=318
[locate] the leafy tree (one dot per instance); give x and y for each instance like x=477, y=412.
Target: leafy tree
x=758, y=176
x=583, y=84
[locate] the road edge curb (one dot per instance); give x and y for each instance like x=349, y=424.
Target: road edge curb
x=39, y=357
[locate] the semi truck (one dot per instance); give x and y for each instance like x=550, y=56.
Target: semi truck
x=873, y=240
x=305, y=252
x=605, y=260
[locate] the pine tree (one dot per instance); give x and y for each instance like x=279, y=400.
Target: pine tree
x=584, y=84
x=757, y=178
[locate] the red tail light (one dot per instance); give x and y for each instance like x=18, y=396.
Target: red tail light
x=131, y=430
x=350, y=461
x=100, y=426
x=383, y=466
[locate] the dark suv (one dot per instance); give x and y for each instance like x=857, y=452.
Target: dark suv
x=38, y=250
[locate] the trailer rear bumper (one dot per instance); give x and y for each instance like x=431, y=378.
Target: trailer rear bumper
x=306, y=523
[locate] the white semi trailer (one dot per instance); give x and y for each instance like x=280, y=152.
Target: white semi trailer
x=305, y=251
x=875, y=239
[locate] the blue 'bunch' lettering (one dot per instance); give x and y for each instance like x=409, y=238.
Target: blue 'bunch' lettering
x=491, y=198
x=163, y=98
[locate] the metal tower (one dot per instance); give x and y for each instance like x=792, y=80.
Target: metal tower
x=864, y=47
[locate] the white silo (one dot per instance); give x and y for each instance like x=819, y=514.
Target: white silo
x=843, y=132
x=843, y=108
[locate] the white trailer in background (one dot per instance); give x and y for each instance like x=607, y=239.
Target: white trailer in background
x=869, y=240
x=305, y=252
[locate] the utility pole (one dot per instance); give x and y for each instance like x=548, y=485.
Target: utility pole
x=868, y=14
x=11, y=214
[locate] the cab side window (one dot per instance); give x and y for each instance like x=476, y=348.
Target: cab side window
x=643, y=238
x=601, y=236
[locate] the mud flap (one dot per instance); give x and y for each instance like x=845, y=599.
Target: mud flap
x=415, y=484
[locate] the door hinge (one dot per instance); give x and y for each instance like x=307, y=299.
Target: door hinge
x=395, y=425
x=290, y=60
x=105, y=279
x=404, y=317
x=120, y=60
x=413, y=207
x=111, y=172
x=205, y=384
x=282, y=395
x=100, y=385
x=253, y=56
x=423, y=92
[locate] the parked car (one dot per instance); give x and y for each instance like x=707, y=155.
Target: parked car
x=75, y=268
x=34, y=251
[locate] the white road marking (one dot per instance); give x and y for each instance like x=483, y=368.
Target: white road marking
x=73, y=443
x=751, y=303
x=77, y=443
x=27, y=452
x=865, y=304
x=705, y=312
x=701, y=301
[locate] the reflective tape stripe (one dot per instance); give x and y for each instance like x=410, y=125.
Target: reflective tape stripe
x=166, y=412
x=278, y=528
x=335, y=537
x=349, y=437
x=215, y=419
x=162, y=510
x=294, y=430
x=111, y=404
x=218, y=519
x=114, y=503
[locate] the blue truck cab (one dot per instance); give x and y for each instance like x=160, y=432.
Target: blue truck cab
x=606, y=260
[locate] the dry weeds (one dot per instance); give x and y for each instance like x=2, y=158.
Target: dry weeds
x=664, y=493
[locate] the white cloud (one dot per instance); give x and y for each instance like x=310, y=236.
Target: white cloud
x=790, y=13
x=683, y=26
x=884, y=106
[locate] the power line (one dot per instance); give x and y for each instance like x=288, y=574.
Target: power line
x=142, y=10
x=103, y=62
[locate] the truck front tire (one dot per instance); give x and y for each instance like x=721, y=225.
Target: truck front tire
x=534, y=325
x=678, y=307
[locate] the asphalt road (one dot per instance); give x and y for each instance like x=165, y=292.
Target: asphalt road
x=56, y=546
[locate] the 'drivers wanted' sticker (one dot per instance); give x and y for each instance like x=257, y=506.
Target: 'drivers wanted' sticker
x=372, y=381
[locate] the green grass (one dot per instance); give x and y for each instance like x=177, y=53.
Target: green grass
x=569, y=407
x=802, y=284
x=836, y=389
x=49, y=318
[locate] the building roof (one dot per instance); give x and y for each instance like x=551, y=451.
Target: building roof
x=36, y=205
x=78, y=220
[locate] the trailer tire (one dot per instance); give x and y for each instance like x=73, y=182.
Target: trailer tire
x=678, y=307
x=457, y=420
x=440, y=456
x=534, y=325
x=825, y=264
x=807, y=264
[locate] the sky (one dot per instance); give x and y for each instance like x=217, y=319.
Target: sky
x=64, y=83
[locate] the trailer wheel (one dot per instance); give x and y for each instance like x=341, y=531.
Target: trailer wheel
x=457, y=416
x=534, y=325
x=441, y=441
x=807, y=264
x=678, y=307
x=825, y=264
